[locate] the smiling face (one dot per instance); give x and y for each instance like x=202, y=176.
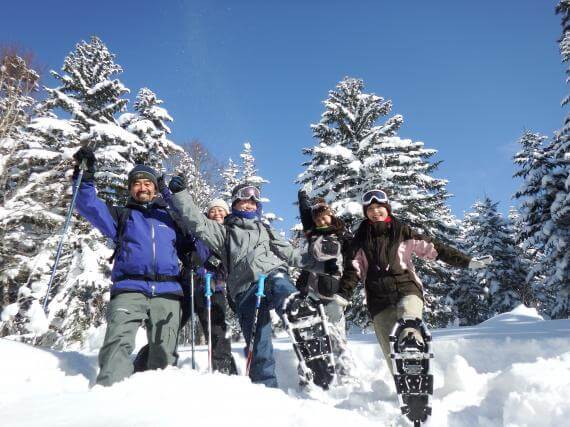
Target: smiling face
x=217, y=214
x=376, y=212
x=143, y=190
x=247, y=205
x=323, y=220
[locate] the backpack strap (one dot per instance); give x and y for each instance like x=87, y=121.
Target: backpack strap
x=121, y=215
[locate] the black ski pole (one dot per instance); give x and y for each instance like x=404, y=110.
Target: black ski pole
x=64, y=232
x=192, y=318
x=259, y=294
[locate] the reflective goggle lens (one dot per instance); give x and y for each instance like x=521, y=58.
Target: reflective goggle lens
x=250, y=192
x=374, y=195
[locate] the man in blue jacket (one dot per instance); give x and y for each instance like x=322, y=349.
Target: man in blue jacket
x=146, y=286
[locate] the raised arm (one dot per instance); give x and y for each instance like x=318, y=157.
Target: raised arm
x=190, y=218
x=95, y=210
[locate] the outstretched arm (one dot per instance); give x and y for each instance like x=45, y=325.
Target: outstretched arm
x=191, y=219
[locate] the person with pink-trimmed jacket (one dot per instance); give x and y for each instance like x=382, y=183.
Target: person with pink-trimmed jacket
x=380, y=257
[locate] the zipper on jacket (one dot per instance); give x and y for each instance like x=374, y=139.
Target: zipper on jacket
x=153, y=252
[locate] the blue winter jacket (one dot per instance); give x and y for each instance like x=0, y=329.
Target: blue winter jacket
x=149, y=246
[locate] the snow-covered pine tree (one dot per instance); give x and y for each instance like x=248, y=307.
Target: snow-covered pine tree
x=355, y=153
x=229, y=181
x=249, y=175
x=558, y=186
x=202, y=191
x=150, y=125
x=483, y=293
x=91, y=96
x=534, y=165
x=533, y=286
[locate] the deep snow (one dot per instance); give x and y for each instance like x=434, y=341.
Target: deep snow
x=512, y=370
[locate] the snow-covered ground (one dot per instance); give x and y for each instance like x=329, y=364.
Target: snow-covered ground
x=512, y=370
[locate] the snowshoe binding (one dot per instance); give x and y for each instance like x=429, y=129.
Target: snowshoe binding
x=306, y=324
x=410, y=353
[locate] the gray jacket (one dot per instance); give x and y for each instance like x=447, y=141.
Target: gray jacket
x=253, y=249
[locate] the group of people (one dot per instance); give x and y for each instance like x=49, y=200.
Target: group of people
x=161, y=228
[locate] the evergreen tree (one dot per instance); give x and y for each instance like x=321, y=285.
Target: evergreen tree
x=202, y=191
x=42, y=189
x=355, y=153
x=498, y=288
x=558, y=187
x=249, y=175
x=149, y=124
x=229, y=181
x=534, y=165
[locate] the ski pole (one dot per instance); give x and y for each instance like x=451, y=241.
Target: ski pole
x=209, y=310
x=259, y=294
x=192, y=318
x=64, y=231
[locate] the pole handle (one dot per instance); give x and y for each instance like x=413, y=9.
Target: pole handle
x=209, y=292
x=261, y=286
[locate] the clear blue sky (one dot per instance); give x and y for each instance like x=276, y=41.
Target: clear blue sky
x=468, y=77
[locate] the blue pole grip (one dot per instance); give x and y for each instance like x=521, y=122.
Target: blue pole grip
x=208, y=285
x=261, y=286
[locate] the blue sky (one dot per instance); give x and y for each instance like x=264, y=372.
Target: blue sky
x=468, y=77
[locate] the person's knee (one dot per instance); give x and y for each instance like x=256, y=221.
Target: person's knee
x=411, y=306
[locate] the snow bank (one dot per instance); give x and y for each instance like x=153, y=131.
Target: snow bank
x=513, y=370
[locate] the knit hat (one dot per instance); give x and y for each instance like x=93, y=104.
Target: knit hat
x=320, y=208
x=143, y=172
x=218, y=203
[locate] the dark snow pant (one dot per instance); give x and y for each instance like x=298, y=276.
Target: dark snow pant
x=278, y=287
x=222, y=359
x=125, y=314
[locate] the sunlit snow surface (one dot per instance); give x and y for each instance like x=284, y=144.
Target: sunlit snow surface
x=512, y=370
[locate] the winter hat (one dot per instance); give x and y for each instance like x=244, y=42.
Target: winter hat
x=320, y=208
x=218, y=203
x=143, y=172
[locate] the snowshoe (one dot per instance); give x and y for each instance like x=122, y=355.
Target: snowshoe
x=411, y=367
x=306, y=323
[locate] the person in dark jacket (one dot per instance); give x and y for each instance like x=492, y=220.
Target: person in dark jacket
x=209, y=262
x=381, y=257
x=327, y=242
x=145, y=271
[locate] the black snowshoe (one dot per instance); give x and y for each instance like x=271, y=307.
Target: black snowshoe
x=306, y=324
x=411, y=366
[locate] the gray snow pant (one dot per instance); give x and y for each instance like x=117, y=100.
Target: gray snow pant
x=410, y=305
x=125, y=314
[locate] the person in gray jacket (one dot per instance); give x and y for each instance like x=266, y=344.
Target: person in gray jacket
x=248, y=248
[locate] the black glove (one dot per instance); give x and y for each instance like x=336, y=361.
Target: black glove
x=161, y=184
x=331, y=267
x=302, y=284
x=177, y=184
x=327, y=285
x=84, y=154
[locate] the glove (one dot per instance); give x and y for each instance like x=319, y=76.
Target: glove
x=161, y=184
x=330, y=267
x=177, y=184
x=480, y=262
x=340, y=300
x=84, y=154
x=302, y=284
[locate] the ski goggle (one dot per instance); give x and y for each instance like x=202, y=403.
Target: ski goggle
x=377, y=196
x=249, y=192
